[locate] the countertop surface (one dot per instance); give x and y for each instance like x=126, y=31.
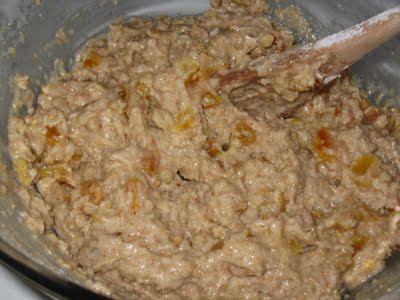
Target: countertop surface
x=14, y=288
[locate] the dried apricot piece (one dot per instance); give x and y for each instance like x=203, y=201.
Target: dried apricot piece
x=178, y=241
x=327, y=157
x=296, y=120
x=93, y=190
x=264, y=190
x=218, y=245
x=21, y=168
x=76, y=156
x=244, y=133
x=151, y=163
x=324, y=139
x=358, y=242
x=361, y=165
x=185, y=119
x=92, y=60
x=370, y=264
x=142, y=89
x=192, y=80
x=364, y=182
x=52, y=133
x=199, y=74
x=132, y=185
x=211, y=147
x=296, y=246
x=371, y=112
x=338, y=110
x=210, y=100
x=54, y=172
x=135, y=205
x=364, y=103
x=322, y=142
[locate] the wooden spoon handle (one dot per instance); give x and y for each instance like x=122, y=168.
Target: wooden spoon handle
x=329, y=57
x=349, y=45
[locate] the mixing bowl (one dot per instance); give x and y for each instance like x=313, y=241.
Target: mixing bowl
x=28, y=45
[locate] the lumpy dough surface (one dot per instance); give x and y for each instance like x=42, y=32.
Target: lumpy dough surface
x=155, y=186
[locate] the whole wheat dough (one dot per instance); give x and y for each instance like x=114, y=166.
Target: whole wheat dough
x=156, y=187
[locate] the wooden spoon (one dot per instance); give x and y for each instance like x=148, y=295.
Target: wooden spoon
x=326, y=58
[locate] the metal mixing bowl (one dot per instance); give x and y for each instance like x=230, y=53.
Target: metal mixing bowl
x=28, y=28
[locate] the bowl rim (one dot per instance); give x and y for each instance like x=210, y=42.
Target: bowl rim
x=43, y=280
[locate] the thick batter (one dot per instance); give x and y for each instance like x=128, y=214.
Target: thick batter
x=153, y=184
